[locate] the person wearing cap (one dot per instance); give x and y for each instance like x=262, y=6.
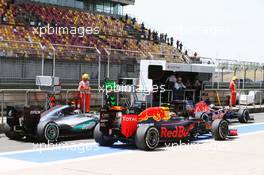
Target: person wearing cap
x=84, y=88
x=232, y=88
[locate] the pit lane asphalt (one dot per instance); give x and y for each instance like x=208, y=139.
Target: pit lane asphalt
x=243, y=156
x=7, y=145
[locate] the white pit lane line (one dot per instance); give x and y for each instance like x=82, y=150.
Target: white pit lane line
x=44, y=147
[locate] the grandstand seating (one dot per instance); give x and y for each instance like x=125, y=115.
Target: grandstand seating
x=3, y=6
x=20, y=19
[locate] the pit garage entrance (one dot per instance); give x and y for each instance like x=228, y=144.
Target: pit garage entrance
x=161, y=79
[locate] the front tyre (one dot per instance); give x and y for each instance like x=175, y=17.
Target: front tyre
x=102, y=139
x=147, y=138
x=243, y=116
x=220, y=129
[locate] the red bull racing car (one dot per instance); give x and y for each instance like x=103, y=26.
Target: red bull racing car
x=206, y=112
x=153, y=126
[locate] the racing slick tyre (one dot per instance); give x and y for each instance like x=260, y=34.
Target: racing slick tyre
x=10, y=133
x=202, y=115
x=147, y=137
x=101, y=138
x=243, y=115
x=220, y=129
x=48, y=132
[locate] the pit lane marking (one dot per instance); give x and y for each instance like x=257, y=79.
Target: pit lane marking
x=25, y=164
x=47, y=155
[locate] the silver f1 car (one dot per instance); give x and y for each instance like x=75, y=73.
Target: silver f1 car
x=48, y=126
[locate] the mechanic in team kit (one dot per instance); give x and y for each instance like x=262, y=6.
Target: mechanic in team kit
x=84, y=88
x=233, y=93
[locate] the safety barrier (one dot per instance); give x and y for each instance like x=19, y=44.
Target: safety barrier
x=251, y=97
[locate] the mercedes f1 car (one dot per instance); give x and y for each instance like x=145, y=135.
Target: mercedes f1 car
x=153, y=126
x=48, y=126
x=206, y=112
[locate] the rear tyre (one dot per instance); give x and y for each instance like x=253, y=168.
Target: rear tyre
x=10, y=133
x=202, y=115
x=220, y=129
x=48, y=132
x=147, y=138
x=243, y=116
x=101, y=138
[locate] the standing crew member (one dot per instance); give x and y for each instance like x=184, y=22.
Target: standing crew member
x=84, y=88
x=233, y=92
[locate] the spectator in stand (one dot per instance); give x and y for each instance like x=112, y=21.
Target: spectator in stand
x=134, y=21
x=126, y=18
x=124, y=41
x=177, y=44
x=4, y=19
x=142, y=27
x=155, y=36
x=171, y=41
x=195, y=58
x=149, y=34
x=162, y=37
x=181, y=45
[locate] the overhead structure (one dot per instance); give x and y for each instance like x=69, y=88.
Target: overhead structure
x=226, y=65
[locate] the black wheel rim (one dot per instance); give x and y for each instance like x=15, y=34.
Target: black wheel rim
x=223, y=129
x=152, y=138
x=51, y=132
x=205, y=117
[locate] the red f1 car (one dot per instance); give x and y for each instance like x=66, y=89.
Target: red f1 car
x=206, y=112
x=153, y=126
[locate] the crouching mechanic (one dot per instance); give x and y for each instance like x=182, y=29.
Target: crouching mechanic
x=85, y=95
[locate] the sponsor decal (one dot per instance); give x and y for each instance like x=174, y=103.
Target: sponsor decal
x=35, y=112
x=177, y=133
x=156, y=113
x=129, y=125
x=129, y=119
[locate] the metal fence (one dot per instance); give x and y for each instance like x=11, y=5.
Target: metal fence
x=65, y=61
x=248, y=94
